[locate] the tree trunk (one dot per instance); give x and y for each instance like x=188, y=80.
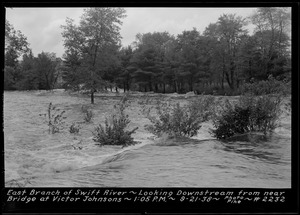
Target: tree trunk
x=232, y=74
x=92, y=96
x=128, y=86
x=228, y=80
x=191, y=85
x=156, y=87
x=150, y=86
x=175, y=87
x=223, y=75
x=164, y=87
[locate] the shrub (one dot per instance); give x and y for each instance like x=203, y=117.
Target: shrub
x=250, y=114
x=54, y=118
x=216, y=90
x=113, y=132
x=270, y=86
x=180, y=121
x=74, y=129
x=88, y=114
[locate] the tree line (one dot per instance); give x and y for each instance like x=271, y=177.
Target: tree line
x=30, y=73
x=223, y=56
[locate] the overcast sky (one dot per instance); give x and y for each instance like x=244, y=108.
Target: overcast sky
x=41, y=26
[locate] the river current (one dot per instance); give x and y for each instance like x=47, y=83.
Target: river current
x=35, y=158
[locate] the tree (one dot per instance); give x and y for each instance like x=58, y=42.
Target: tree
x=231, y=32
x=149, y=60
x=228, y=34
x=71, y=70
x=172, y=63
x=29, y=80
x=46, y=64
x=272, y=39
x=215, y=53
x=98, y=29
x=193, y=52
x=125, y=76
x=15, y=45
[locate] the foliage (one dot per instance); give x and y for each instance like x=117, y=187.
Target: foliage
x=125, y=77
x=224, y=56
x=271, y=48
x=88, y=114
x=10, y=74
x=30, y=80
x=94, y=43
x=15, y=45
x=74, y=129
x=177, y=120
x=270, y=86
x=148, y=60
x=55, y=119
x=46, y=66
x=250, y=114
x=216, y=90
x=32, y=73
x=114, y=130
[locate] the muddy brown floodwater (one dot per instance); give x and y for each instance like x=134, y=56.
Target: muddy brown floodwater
x=35, y=158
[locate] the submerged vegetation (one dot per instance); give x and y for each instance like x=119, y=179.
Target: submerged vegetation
x=267, y=87
x=180, y=120
x=224, y=59
x=74, y=128
x=88, y=114
x=250, y=114
x=54, y=118
x=247, y=113
x=114, y=130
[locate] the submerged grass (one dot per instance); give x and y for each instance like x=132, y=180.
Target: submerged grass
x=249, y=114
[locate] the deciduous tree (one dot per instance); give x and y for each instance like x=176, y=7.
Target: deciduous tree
x=98, y=29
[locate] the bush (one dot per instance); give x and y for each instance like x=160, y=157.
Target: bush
x=216, y=90
x=74, y=129
x=113, y=132
x=54, y=118
x=180, y=121
x=88, y=114
x=250, y=114
x=270, y=86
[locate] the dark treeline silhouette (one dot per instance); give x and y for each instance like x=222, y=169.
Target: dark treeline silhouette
x=221, y=58
x=30, y=73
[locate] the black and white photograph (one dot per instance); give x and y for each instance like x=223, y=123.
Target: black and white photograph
x=147, y=97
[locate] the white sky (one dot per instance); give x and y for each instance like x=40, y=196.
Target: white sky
x=41, y=26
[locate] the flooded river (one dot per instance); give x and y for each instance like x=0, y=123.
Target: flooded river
x=35, y=158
